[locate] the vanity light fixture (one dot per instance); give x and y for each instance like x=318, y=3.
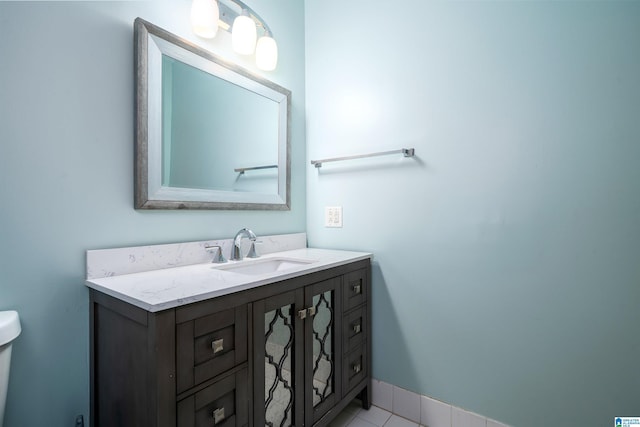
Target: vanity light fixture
x=267, y=52
x=209, y=15
x=204, y=18
x=244, y=34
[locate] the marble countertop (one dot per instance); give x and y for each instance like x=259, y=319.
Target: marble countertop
x=166, y=288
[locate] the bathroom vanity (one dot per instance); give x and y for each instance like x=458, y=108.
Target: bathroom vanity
x=281, y=340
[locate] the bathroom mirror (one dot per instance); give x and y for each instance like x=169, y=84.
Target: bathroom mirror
x=209, y=134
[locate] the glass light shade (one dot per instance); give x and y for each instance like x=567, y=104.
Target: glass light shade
x=267, y=53
x=204, y=18
x=243, y=35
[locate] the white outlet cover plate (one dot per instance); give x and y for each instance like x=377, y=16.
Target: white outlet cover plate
x=333, y=216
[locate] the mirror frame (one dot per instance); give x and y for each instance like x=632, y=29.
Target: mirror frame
x=151, y=42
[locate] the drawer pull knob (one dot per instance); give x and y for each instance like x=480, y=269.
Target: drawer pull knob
x=217, y=346
x=218, y=416
x=357, y=328
x=357, y=368
x=302, y=313
x=357, y=289
x=311, y=311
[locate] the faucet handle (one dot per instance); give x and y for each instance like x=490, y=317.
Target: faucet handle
x=217, y=250
x=252, y=250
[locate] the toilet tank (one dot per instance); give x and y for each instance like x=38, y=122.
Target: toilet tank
x=9, y=326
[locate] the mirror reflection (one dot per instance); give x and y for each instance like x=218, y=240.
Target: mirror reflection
x=211, y=128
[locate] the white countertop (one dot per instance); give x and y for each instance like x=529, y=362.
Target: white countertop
x=172, y=287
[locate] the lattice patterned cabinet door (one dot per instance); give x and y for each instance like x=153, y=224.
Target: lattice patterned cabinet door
x=323, y=349
x=278, y=361
x=298, y=337
x=278, y=365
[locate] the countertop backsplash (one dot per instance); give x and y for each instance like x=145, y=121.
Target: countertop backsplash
x=118, y=261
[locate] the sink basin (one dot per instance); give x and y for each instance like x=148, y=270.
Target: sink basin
x=264, y=266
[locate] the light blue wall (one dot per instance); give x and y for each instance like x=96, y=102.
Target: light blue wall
x=66, y=172
x=507, y=276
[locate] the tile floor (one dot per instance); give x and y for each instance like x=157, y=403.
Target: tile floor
x=354, y=416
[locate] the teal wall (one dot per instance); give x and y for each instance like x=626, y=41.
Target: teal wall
x=66, y=173
x=507, y=277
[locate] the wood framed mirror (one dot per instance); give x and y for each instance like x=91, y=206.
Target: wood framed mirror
x=209, y=134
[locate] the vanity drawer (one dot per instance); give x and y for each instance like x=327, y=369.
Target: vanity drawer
x=224, y=403
x=355, y=289
x=210, y=345
x=354, y=368
x=354, y=329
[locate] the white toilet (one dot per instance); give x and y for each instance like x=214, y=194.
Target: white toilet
x=9, y=331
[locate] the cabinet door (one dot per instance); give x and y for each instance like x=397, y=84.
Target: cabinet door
x=278, y=360
x=323, y=348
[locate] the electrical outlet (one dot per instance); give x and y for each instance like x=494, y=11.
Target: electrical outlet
x=333, y=216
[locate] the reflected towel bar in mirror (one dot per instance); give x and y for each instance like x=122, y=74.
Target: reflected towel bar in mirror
x=407, y=152
x=243, y=170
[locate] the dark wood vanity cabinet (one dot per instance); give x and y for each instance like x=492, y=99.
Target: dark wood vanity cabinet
x=291, y=353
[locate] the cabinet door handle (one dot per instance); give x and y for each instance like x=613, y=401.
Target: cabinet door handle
x=217, y=346
x=357, y=327
x=357, y=289
x=218, y=416
x=357, y=368
x=310, y=312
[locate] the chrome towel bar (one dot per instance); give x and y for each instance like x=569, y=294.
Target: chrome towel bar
x=407, y=152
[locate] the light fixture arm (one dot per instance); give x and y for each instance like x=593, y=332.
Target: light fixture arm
x=227, y=15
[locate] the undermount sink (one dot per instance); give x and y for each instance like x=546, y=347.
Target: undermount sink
x=264, y=266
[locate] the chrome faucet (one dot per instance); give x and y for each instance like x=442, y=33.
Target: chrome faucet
x=236, y=251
